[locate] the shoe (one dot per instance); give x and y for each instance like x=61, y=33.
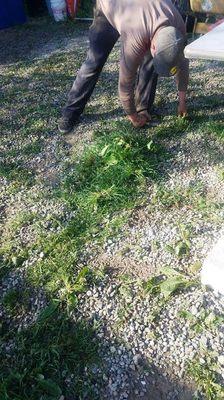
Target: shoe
x=65, y=125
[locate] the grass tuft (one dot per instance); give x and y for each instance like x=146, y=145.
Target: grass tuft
x=206, y=378
x=109, y=177
x=47, y=360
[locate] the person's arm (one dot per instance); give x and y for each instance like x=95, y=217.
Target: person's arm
x=132, y=54
x=182, y=79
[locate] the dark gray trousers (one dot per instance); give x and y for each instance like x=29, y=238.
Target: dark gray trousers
x=102, y=38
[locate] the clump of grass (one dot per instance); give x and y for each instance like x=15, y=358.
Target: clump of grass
x=112, y=172
x=178, y=196
x=109, y=177
x=11, y=251
x=44, y=356
x=216, y=128
x=206, y=378
x=14, y=171
x=172, y=127
x=16, y=300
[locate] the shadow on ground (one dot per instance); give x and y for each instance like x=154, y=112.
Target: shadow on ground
x=58, y=353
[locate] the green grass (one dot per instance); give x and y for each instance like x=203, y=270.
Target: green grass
x=48, y=359
x=12, y=253
x=109, y=177
x=16, y=301
x=206, y=378
x=17, y=173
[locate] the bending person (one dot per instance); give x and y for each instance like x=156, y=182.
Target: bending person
x=153, y=38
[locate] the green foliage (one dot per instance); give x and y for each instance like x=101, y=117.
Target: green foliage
x=204, y=321
x=206, y=378
x=16, y=300
x=109, y=177
x=44, y=356
x=181, y=247
x=167, y=284
x=14, y=171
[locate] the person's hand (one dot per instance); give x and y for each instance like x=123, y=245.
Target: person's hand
x=138, y=120
x=146, y=114
x=182, y=110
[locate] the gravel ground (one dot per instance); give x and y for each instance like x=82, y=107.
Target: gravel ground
x=145, y=344
x=141, y=357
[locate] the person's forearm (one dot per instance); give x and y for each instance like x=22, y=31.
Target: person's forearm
x=182, y=96
x=128, y=103
x=182, y=107
x=182, y=76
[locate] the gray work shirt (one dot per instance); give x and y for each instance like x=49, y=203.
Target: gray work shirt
x=137, y=21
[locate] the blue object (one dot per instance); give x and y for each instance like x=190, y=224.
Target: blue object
x=11, y=13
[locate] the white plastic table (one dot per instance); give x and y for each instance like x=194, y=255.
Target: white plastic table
x=209, y=46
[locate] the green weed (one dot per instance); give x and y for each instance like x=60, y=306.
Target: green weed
x=178, y=196
x=17, y=173
x=44, y=357
x=206, y=378
x=16, y=301
x=181, y=247
x=109, y=177
x=168, y=283
x=204, y=321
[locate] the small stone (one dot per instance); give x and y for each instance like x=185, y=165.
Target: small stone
x=113, y=349
x=221, y=360
x=137, y=359
x=204, y=341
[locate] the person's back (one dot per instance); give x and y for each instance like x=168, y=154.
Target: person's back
x=144, y=17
